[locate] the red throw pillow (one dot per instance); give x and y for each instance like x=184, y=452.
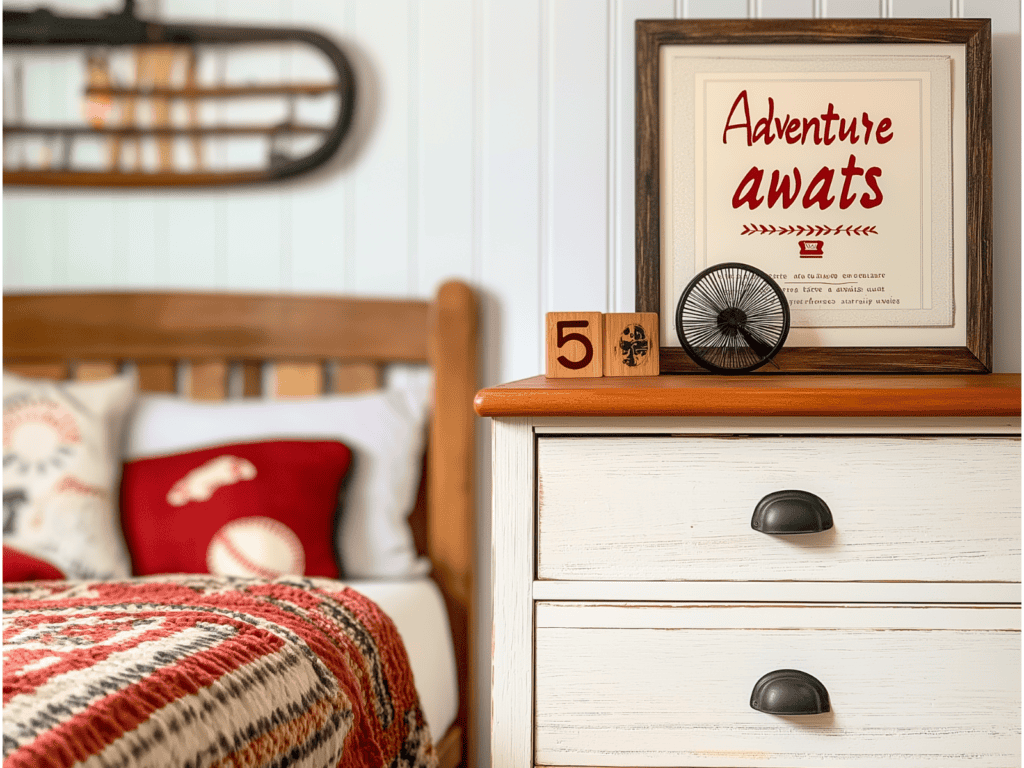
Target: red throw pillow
x=246, y=509
x=19, y=566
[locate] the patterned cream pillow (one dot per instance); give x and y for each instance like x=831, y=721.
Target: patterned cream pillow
x=62, y=467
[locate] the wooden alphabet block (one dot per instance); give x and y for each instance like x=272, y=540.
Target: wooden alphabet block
x=574, y=345
x=631, y=344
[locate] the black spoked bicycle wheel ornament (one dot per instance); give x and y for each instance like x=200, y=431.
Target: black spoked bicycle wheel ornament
x=732, y=318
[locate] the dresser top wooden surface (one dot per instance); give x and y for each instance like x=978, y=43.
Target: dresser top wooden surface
x=996, y=394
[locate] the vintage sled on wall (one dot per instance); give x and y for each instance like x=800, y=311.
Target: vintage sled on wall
x=156, y=111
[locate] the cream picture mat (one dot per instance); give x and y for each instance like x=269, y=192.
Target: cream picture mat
x=941, y=257
x=892, y=236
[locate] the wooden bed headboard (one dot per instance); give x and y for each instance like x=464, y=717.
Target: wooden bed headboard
x=211, y=346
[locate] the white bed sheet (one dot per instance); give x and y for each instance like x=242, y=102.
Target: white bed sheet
x=417, y=608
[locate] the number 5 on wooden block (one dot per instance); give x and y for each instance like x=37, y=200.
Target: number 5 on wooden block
x=574, y=344
x=631, y=344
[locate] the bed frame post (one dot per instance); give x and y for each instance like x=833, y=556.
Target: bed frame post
x=452, y=526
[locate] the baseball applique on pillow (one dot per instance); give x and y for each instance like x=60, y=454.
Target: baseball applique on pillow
x=247, y=509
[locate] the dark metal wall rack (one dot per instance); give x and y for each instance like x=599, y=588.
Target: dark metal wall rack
x=158, y=50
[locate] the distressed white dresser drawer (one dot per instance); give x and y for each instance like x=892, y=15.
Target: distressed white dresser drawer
x=663, y=508
x=671, y=685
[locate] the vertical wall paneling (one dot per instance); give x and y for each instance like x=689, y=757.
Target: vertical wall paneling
x=488, y=363
x=16, y=245
x=191, y=244
x=510, y=183
x=491, y=365
x=412, y=105
x=853, y=9
x=444, y=82
x=575, y=163
x=254, y=242
x=60, y=241
x=786, y=9
x=924, y=9
x=1006, y=175
x=381, y=177
x=136, y=245
x=90, y=218
x=364, y=122
x=91, y=241
x=190, y=222
x=285, y=269
x=35, y=224
x=716, y=9
x=623, y=191
x=614, y=253
x=316, y=205
x=30, y=251
x=137, y=248
x=51, y=241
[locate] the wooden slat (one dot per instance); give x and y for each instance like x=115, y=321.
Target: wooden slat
x=161, y=131
x=348, y=378
x=454, y=359
x=208, y=380
x=157, y=376
x=161, y=60
x=95, y=370
x=192, y=104
x=451, y=449
x=994, y=394
x=133, y=178
x=449, y=748
x=217, y=92
x=97, y=108
x=205, y=325
x=58, y=371
x=298, y=380
x=252, y=378
x=117, y=143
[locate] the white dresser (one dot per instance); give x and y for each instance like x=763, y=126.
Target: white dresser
x=756, y=571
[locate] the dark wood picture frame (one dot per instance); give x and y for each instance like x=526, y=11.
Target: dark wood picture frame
x=974, y=35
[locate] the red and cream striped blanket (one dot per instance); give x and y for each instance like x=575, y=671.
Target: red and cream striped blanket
x=202, y=672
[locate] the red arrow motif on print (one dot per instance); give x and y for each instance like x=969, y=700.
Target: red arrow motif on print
x=814, y=229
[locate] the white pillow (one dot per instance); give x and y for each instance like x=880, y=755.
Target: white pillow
x=62, y=470
x=385, y=431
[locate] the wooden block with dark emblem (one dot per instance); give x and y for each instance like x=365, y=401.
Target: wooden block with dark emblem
x=574, y=345
x=631, y=344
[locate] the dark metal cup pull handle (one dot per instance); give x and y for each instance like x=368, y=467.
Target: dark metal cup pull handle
x=790, y=692
x=787, y=512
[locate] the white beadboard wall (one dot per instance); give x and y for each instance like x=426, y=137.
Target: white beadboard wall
x=493, y=141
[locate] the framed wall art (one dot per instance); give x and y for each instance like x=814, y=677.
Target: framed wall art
x=850, y=160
